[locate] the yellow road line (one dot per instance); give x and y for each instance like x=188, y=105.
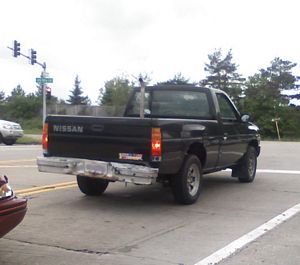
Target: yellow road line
x=41, y=191
x=51, y=186
x=46, y=188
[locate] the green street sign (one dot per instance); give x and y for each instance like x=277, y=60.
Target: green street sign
x=44, y=80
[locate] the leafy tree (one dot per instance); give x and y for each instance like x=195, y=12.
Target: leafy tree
x=289, y=122
x=21, y=107
x=264, y=99
x=178, y=79
x=2, y=104
x=223, y=74
x=76, y=97
x=115, y=92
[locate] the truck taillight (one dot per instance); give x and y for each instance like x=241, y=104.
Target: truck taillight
x=45, y=137
x=156, y=143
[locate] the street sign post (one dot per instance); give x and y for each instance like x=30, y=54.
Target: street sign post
x=42, y=81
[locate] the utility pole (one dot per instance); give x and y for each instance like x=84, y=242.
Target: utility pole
x=44, y=78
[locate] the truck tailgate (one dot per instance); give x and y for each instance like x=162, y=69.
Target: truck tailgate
x=98, y=138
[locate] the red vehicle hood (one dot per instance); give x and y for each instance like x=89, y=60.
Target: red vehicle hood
x=12, y=212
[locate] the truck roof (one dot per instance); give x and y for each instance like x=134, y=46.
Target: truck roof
x=180, y=87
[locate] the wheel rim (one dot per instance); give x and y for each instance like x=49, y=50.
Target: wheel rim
x=251, y=164
x=193, y=179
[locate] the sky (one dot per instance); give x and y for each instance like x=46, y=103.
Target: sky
x=101, y=39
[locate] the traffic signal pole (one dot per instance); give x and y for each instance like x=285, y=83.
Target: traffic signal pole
x=32, y=58
x=43, y=65
x=43, y=74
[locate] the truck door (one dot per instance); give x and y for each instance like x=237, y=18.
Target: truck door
x=232, y=146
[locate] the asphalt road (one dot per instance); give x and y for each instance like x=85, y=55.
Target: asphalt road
x=143, y=225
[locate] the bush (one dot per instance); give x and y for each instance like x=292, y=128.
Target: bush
x=34, y=125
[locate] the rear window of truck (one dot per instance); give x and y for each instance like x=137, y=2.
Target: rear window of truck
x=171, y=104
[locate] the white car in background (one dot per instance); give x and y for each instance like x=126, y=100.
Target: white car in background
x=10, y=132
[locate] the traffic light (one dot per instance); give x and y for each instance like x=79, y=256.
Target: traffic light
x=33, y=56
x=17, y=48
x=48, y=92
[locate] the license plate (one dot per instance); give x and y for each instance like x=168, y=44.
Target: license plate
x=130, y=156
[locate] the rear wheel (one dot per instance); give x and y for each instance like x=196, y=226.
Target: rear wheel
x=91, y=186
x=246, y=170
x=188, y=182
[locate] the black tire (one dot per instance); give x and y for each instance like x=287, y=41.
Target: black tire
x=9, y=141
x=91, y=186
x=187, y=184
x=246, y=170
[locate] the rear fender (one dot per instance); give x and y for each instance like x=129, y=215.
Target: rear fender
x=199, y=150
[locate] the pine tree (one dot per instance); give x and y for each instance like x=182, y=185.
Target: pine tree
x=76, y=97
x=18, y=91
x=223, y=74
x=265, y=101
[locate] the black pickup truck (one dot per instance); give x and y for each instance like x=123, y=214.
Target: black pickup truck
x=183, y=133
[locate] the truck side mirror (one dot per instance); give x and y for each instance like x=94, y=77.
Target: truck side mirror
x=245, y=118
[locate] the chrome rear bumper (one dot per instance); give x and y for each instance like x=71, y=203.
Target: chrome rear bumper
x=98, y=169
